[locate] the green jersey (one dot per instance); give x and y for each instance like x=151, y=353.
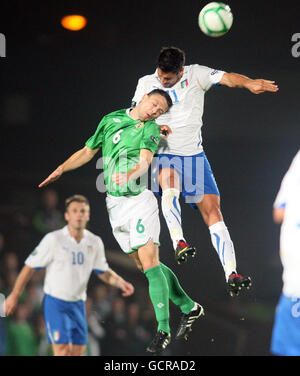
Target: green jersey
x=121, y=139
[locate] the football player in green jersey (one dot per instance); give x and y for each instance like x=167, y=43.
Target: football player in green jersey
x=129, y=139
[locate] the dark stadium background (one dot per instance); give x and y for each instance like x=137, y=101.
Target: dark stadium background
x=55, y=85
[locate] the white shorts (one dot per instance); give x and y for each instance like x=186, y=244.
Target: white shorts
x=134, y=220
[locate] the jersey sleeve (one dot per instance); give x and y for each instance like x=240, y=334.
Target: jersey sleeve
x=43, y=254
x=96, y=140
x=288, y=183
x=100, y=263
x=151, y=137
x=207, y=77
x=139, y=92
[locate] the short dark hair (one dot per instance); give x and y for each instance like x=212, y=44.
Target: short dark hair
x=164, y=94
x=76, y=198
x=171, y=59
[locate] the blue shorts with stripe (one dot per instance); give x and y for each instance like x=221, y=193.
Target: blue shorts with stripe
x=286, y=329
x=65, y=322
x=195, y=174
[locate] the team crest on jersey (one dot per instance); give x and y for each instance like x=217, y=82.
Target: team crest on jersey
x=139, y=125
x=90, y=249
x=116, y=120
x=184, y=83
x=56, y=335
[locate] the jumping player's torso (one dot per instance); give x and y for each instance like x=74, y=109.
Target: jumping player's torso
x=122, y=138
x=185, y=116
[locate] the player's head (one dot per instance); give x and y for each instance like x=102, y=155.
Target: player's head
x=154, y=104
x=77, y=211
x=170, y=64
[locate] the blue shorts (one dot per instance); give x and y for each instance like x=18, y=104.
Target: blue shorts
x=195, y=173
x=286, y=330
x=65, y=322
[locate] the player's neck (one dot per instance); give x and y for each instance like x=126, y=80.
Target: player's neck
x=77, y=234
x=134, y=114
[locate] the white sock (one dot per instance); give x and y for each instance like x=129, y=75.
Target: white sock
x=223, y=245
x=172, y=212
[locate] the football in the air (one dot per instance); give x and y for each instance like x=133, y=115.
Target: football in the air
x=215, y=19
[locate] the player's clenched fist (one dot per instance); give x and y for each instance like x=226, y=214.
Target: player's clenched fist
x=120, y=178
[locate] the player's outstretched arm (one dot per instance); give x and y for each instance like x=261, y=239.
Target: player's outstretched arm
x=138, y=170
x=76, y=160
x=256, y=86
x=12, y=300
x=112, y=278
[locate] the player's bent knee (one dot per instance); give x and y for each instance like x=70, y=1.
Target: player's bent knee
x=148, y=255
x=137, y=261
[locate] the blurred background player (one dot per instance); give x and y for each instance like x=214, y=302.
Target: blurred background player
x=286, y=330
x=129, y=138
x=181, y=160
x=69, y=256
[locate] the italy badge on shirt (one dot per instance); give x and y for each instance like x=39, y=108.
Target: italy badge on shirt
x=56, y=335
x=184, y=84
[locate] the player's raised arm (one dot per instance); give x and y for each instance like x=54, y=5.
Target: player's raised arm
x=256, y=86
x=76, y=160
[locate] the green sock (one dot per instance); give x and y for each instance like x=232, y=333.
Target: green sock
x=176, y=293
x=159, y=295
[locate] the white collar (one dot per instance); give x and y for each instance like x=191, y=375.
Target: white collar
x=67, y=232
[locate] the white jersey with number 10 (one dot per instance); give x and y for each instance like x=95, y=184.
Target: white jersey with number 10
x=68, y=263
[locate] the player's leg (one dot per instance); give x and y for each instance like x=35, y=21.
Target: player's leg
x=77, y=350
x=176, y=292
x=170, y=184
x=57, y=325
x=136, y=227
x=210, y=209
x=190, y=309
x=61, y=349
x=158, y=286
x=159, y=295
x=209, y=205
x=79, y=329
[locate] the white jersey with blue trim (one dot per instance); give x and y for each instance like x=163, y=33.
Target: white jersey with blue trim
x=288, y=198
x=185, y=116
x=68, y=263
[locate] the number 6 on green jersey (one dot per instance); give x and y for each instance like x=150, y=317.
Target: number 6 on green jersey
x=117, y=136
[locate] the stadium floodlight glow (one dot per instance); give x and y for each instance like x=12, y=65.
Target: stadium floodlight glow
x=74, y=22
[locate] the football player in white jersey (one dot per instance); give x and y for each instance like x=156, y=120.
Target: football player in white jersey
x=286, y=329
x=181, y=164
x=69, y=255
